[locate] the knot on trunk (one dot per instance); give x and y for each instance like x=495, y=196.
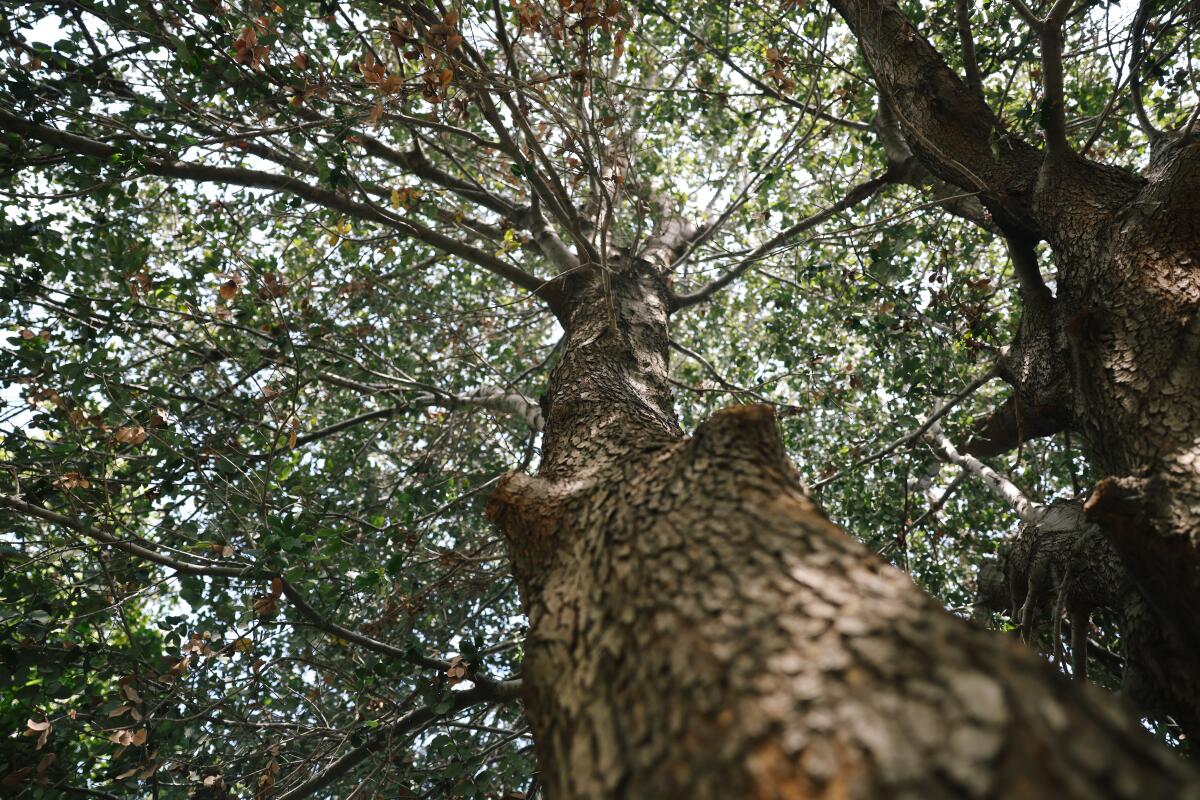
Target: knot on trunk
x=1061, y=563
x=1066, y=566
x=528, y=513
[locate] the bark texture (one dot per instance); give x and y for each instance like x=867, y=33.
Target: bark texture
x=699, y=628
x=1114, y=352
x=1064, y=565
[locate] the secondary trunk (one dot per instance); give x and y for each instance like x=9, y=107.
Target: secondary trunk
x=1114, y=351
x=699, y=629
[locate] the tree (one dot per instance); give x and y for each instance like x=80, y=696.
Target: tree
x=286, y=280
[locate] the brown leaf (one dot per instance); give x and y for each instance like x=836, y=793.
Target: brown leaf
x=130, y=434
x=41, y=729
x=45, y=763
x=118, y=711
x=71, y=480
x=264, y=605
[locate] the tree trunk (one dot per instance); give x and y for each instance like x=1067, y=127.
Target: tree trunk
x=699, y=628
x=1114, y=352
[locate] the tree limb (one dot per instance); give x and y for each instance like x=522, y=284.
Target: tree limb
x=939, y=411
x=947, y=124
x=1003, y=488
x=256, y=179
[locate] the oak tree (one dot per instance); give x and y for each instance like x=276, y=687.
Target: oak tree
x=600, y=399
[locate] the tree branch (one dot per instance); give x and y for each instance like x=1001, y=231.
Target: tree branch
x=512, y=404
x=1053, y=101
x=504, y=691
x=939, y=411
x=255, y=179
x=966, y=40
x=1135, y=78
x=1012, y=424
x=947, y=124
x=1003, y=488
x=855, y=196
x=217, y=570
x=131, y=548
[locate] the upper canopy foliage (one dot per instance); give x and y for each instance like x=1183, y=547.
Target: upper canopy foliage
x=278, y=287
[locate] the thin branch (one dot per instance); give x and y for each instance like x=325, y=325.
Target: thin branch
x=966, y=39
x=503, y=691
x=513, y=404
x=762, y=86
x=132, y=548
x=940, y=411
x=217, y=570
x=855, y=196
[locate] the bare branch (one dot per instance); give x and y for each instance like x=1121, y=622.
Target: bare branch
x=1004, y=488
x=504, y=691
x=855, y=196
x=940, y=411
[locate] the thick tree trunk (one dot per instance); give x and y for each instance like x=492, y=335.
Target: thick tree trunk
x=699, y=629
x=1115, y=351
x=1129, y=291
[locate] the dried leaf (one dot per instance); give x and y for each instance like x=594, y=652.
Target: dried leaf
x=45, y=763
x=130, y=434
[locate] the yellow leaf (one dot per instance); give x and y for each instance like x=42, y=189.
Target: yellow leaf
x=395, y=198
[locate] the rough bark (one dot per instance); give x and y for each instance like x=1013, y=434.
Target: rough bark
x=1063, y=564
x=1121, y=332
x=699, y=628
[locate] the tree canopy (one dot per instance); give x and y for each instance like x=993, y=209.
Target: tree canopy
x=283, y=284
